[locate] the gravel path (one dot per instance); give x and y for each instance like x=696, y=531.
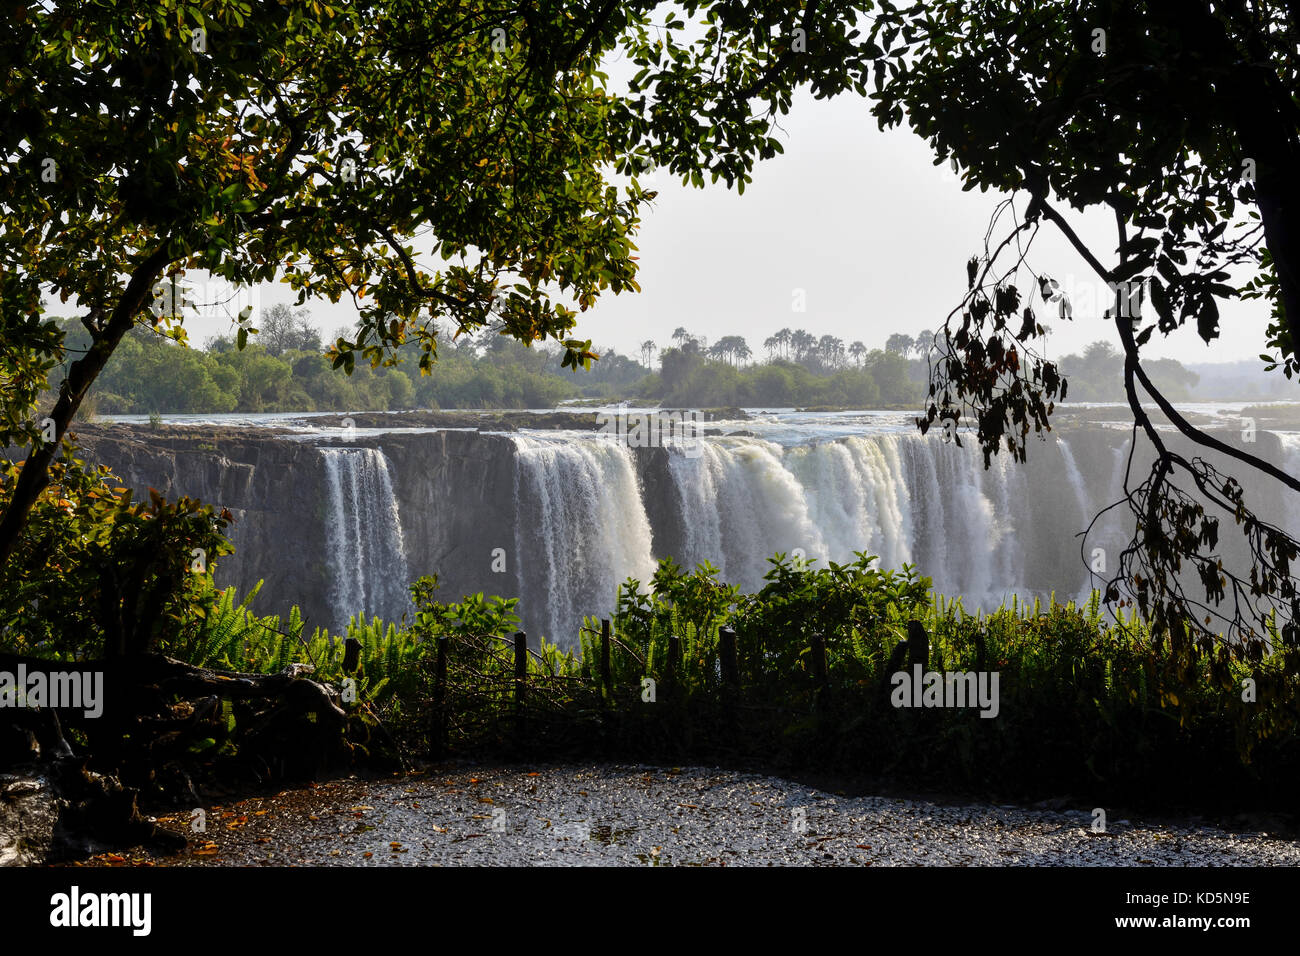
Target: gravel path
x=636, y=816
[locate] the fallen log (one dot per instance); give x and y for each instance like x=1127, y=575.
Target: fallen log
x=155, y=725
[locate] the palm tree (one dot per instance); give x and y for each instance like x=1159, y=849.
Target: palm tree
x=899, y=343
x=829, y=350
x=680, y=335
x=783, y=339
x=771, y=344
x=801, y=342
x=742, y=351
x=732, y=347
x=857, y=350
x=648, y=349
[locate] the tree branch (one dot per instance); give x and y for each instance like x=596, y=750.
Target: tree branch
x=1189, y=430
x=34, y=476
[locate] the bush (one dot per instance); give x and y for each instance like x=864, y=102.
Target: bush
x=97, y=574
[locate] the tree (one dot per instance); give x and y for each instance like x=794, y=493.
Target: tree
x=801, y=342
x=830, y=350
x=142, y=142
x=401, y=391
x=1180, y=119
x=900, y=343
x=857, y=350
x=282, y=329
x=1098, y=374
x=742, y=350
x=676, y=366
x=730, y=348
x=783, y=338
x=648, y=349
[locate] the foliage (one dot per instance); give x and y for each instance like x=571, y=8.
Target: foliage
x=1097, y=709
x=837, y=602
x=1092, y=706
x=314, y=142
x=100, y=574
x=1179, y=122
x=150, y=373
x=688, y=379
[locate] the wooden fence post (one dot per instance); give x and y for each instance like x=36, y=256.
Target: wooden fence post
x=729, y=664
x=918, y=645
x=728, y=658
x=521, y=684
x=438, y=730
x=821, y=674
x=351, y=655
x=606, y=674
x=671, y=666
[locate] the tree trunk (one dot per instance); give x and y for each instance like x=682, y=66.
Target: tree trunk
x=34, y=476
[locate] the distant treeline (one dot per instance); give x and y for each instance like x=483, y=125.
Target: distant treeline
x=1098, y=375
x=688, y=377
x=289, y=372
x=285, y=369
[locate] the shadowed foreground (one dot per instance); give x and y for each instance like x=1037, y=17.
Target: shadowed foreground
x=637, y=815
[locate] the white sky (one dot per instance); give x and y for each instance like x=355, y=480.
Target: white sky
x=863, y=222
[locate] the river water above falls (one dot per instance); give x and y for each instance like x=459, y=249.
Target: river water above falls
x=339, y=520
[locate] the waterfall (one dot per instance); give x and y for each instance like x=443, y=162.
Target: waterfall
x=1076, y=481
x=740, y=505
x=1290, y=442
x=367, y=550
x=857, y=498
x=560, y=519
x=580, y=530
x=900, y=498
x=579, y=513
x=1086, y=513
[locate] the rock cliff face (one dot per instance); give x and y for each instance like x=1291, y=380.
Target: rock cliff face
x=272, y=487
x=453, y=490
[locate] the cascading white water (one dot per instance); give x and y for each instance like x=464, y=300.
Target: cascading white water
x=1290, y=442
x=896, y=497
x=1082, y=499
x=580, y=530
x=740, y=505
x=580, y=513
x=367, y=550
x=853, y=500
x=1076, y=480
